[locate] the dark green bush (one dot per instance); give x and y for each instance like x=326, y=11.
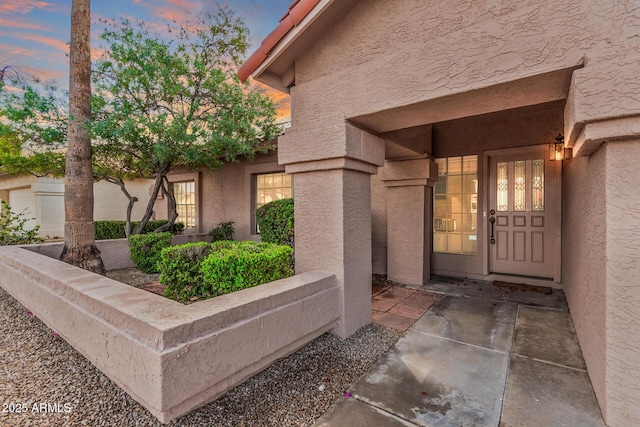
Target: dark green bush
x=145, y=250
x=106, y=230
x=224, y=231
x=275, y=222
x=233, y=266
x=180, y=270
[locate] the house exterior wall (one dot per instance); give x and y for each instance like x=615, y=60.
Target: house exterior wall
x=226, y=194
x=623, y=280
x=583, y=254
x=44, y=199
x=601, y=271
x=392, y=65
x=111, y=203
x=444, y=49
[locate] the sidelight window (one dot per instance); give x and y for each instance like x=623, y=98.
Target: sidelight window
x=455, y=206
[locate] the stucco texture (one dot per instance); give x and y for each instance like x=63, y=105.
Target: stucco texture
x=601, y=270
x=390, y=65
x=411, y=52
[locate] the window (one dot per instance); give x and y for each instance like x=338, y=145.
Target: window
x=270, y=187
x=185, y=194
x=455, y=206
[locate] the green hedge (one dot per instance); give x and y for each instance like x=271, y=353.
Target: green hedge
x=180, y=270
x=106, y=230
x=204, y=270
x=146, y=249
x=244, y=265
x=275, y=222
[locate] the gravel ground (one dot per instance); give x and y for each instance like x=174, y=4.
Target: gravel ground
x=37, y=367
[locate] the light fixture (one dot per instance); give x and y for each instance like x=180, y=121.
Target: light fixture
x=558, y=151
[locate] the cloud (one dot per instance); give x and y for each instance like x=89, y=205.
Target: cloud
x=24, y=6
x=47, y=41
x=22, y=25
x=178, y=10
x=16, y=51
x=46, y=74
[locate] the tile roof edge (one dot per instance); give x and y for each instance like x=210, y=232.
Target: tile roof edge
x=298, y=10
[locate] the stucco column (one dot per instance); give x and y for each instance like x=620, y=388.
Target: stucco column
x=332, y=198
x=601, y=262
x=623, y=280
x=409, y=199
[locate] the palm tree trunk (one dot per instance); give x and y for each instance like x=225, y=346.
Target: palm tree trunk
x=79, y=232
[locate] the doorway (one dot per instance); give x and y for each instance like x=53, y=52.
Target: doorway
x=524, y=213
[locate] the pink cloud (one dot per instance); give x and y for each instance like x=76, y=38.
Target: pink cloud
x=45, y=74
x=178, y=10
x=47, y=41
x=22, y=25
x=17, y=51
x=24, y=6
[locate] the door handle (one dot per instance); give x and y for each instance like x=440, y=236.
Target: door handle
x=492, y=221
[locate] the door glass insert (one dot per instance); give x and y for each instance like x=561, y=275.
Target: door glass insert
x=519, y=186
x=537, y=185
x=503, y=187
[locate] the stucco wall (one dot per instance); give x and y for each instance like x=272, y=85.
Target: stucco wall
x=623, y=281
x=583, y=259
x=392, y=64
x=170, y=357
x=408, y=52
x=47, y=200
x=111, y=203
x=601, y=271
x=225, y=194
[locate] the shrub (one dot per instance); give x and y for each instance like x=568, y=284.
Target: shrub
x=13, y=230
x=180, y=270
x=224, y=231
x=106, y=230
x=240, y=265
x=145, y=249
x=275, y=222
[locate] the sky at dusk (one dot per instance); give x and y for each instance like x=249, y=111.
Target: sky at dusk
x=34, y=33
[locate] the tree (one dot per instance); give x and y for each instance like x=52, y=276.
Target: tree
x=33, y=128
x=79, y=233
x=168, y=102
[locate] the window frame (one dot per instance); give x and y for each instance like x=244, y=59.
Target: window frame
x=446, y=227
x=254, y=195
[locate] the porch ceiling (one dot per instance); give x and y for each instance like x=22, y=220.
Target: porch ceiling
x=539, y=89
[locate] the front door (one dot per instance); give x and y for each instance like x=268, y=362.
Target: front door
x=522, y=213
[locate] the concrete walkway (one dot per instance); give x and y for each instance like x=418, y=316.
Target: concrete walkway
x=482, y=355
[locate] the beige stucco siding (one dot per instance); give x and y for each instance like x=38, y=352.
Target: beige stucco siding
x=385, y=54
x=623, y=279
x=583, y=255
x=468, y=69
x=110, y=203
x=225, y=194
x=44, y=198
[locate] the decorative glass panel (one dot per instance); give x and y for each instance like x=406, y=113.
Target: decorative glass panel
x=537, y=185
x=519, y=186
x=503, y=187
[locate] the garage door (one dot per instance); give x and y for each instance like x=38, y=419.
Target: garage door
x=24, y=201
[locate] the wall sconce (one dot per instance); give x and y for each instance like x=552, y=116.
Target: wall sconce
x=558, y=151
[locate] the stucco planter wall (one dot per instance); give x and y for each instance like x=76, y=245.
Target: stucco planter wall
x=169, y=357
